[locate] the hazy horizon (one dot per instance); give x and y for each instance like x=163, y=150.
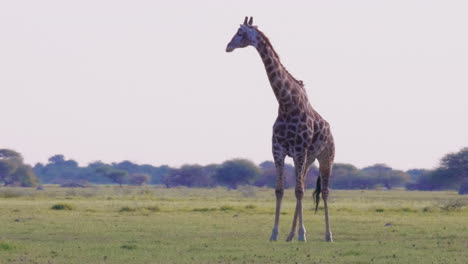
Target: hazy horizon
x=151, y=82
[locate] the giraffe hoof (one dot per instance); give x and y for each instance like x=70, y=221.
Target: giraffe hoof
x=302, y=235
x=302, y=238
x=274, y=235
x=290, y=237
x=328, y=238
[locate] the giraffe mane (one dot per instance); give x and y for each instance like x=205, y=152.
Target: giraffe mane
x=267, y=41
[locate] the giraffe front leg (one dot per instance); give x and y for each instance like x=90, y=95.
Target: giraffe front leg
x=275, y=231
x=302, y=230
x=279, y=163
x=292, y=233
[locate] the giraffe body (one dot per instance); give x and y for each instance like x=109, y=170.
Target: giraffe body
x=298, y=132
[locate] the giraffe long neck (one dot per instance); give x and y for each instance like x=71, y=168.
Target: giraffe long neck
x=289, y=92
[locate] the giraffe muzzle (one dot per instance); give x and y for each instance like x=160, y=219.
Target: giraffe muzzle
x=229, y=49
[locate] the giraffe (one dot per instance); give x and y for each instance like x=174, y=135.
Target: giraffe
x=298, y=132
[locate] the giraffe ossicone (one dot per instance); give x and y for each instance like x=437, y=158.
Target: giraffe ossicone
x=298, y=132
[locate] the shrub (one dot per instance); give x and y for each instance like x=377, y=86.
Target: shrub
x=62, y=206
x=205, y=209
x=153, y=208
x=5, y=246
x=75, y=184
x=247, y=191
x=130, y=247
x=12, y=193
x=408, y=210
x=226, y=208
x=131, y=209
x=127, y=209
x=430, y=209
x=454, y=205
x=463, y=188
x=250, y=206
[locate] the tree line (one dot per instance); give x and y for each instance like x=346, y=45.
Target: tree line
x=452, y=173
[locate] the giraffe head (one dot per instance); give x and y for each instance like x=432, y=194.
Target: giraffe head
x=245, y=36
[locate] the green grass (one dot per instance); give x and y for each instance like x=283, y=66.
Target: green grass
x=109, y=224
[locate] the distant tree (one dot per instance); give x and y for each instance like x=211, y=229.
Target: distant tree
x=311, y=178
x=269, y=175
x=455, y=166
x=345, y=176
x=452, y=173
x=385, y=175
x=138, y=179
x=126, y=166
x=237, y=172
x=24, y=176
x=10, y=161
x=57, y=159
x=415, y=174
x=13, y=171
x=210, y=171
x=188, y=175
x=117, y=176
x=463, y=187
x=90, y=174
x=59, y=170
x=157, y=173
x=421, y=179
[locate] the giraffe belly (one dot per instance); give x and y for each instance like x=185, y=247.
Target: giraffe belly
x=290, y=147
x=296, y=146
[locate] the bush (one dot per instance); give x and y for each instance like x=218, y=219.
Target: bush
x=153, y=208
x=430, y=209
x=247, y=191
x=463, y=188
x=130, y=247
x=454, y=205
x=127, y=209
x=130, y=209
x=226, y=208
x=62, y=206
x=75, y=185
x=13, y=192
x=5, y=246
x=204, y=209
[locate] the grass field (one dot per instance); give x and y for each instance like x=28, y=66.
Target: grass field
x=109, y=224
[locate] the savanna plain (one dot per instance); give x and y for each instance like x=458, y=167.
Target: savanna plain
x=112, y=224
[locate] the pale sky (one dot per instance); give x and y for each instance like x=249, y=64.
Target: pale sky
x=150, y=82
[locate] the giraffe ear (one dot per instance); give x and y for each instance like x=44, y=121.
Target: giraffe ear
x=245, y=20
x=250, y=21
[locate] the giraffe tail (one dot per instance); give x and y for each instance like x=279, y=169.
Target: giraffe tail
x=316, y=194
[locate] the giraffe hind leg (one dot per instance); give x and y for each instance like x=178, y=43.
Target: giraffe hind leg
x=301, y=165
x=326, y=164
